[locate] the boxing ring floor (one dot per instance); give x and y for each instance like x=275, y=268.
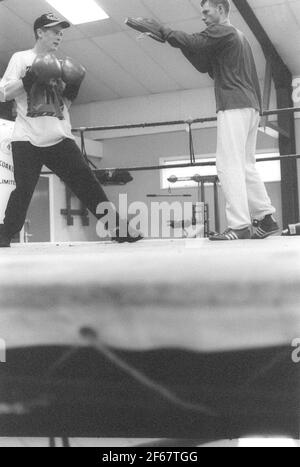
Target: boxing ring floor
x=163, y=338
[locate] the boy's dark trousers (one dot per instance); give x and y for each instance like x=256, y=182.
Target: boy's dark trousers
x=66, y=161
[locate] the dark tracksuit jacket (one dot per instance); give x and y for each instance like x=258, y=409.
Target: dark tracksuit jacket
x=225, y=54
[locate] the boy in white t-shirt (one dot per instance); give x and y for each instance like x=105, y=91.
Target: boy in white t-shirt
x=45, y=137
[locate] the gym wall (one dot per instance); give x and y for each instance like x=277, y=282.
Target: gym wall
x=124, y=148
x=149, y=149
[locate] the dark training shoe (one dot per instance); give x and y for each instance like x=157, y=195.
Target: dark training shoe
x=5, y=240
x=265, y=228
x=231, y=234
x=130, y=238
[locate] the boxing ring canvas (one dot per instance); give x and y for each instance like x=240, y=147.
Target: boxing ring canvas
x=151, y=340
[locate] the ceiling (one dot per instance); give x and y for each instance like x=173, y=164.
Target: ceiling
x=120, y=65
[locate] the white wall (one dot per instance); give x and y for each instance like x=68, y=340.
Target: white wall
x=171, y=106
x=157, y=107
x=146, y=147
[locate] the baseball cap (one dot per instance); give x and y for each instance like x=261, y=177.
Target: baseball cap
x=49, y=20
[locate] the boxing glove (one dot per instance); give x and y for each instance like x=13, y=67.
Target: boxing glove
x=46, y=68
x=72, y=74
x=29, y=79
x=294, y=229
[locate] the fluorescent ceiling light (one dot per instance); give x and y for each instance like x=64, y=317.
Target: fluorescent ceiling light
x=79, y=11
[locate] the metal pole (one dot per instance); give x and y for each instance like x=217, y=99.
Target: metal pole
x=175, y=122
x=179, y=166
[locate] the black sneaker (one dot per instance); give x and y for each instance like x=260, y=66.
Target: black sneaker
x=232, y=234
x=265, y=228
x=130, y=238
x=5, y=240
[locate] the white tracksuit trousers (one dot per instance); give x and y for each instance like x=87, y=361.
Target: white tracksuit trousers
x=245, y=193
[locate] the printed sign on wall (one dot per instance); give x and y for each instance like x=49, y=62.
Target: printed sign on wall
x=7, y=181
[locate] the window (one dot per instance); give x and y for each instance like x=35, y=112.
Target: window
x=186, y=172
x=269, y=171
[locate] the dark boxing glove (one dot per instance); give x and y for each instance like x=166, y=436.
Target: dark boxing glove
x=72, y=74
x=29, y=79
x=71, y=91
x=42, y=85
x=47, y=68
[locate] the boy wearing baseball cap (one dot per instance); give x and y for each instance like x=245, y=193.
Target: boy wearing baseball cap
x=42, y=133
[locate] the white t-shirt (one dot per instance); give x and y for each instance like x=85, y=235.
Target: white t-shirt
x=41, y=131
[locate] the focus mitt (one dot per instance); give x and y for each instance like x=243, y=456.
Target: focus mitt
x=149, y=27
